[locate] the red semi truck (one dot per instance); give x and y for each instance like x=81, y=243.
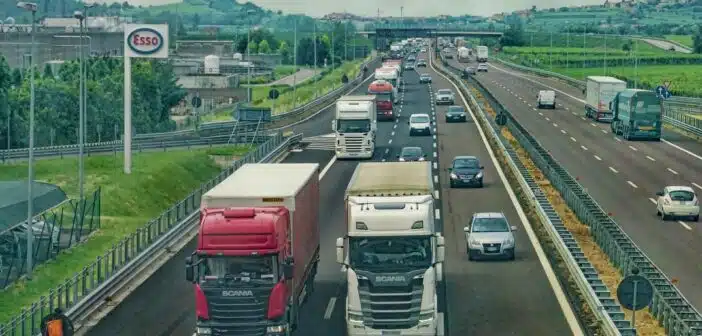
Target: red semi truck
x=257, y=250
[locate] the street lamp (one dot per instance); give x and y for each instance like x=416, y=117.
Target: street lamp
x=31, y=7
x=81, y=107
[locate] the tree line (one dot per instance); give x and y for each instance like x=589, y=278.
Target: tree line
x=57, y=101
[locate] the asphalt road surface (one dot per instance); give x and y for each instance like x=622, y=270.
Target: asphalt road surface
x=493, y=297
x=623, y=176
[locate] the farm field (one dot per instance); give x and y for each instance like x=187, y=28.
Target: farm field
x=685, y=40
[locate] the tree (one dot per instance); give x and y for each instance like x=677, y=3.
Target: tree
x=253, y=47
x=514, y=35
x=47, y=71
x=697, y=41
x=284, y=51
x=264, y=47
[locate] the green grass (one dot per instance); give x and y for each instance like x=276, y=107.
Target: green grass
x=685, y=40
x=158, y=180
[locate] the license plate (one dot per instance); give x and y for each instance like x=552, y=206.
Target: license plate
x=466, y=180
x=492, y=249
x=646, y=128
x=391, y=332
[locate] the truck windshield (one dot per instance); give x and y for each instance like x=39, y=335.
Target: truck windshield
x=249, y=269
x=390, y=252
x=353, y=126
x=382, y=96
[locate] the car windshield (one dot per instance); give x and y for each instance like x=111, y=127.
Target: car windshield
x=444, y=92
x=419, y=119
x=490, y=225
x=390, y=252
x=425, y=76
x=411, y=152
x=682, y=195
x=353, y=126
x=455, y=109
x=259, y=269
x=466, y=163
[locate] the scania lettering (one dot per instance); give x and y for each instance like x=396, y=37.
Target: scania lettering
x=384, y=96
x=600, y=90
x=257, y=250
x=355, y=127
x=395, y=255
x=638, y=114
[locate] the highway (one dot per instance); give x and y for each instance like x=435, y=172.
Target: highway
x=482, y=298
x=622, y=176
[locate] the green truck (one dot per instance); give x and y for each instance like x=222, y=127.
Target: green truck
x=637, y=115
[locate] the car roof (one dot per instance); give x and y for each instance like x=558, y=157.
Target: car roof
x=489, y=215
x=412, y=147
x=465, y=157
x=680, y=188
x=444, y=90
x=419, y=115
x=456, y=106
x=425, y=75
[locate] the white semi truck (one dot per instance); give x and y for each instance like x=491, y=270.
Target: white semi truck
x=600, y=90
x=464, y=55
x=394, y=258
x=355, y=127
x=482, y=52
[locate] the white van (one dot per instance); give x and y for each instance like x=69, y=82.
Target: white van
x=546, y=98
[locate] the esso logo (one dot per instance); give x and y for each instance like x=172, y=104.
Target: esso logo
x=145, y=41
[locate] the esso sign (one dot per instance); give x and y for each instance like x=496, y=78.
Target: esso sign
x=145, y=41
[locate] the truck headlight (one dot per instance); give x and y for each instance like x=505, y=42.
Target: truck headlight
x=426, y=317
x=355, y=317
x=276, y=329
x=203, y=331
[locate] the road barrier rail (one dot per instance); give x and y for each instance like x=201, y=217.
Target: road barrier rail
x=672, y=310
x=677, y=111
x=204, y=130
x=86, y=291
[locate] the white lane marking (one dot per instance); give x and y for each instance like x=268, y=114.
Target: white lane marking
x=583, y=147
x=598, y=158
x=613, y=170
x=541, y=255
x=650, y=158
x=436, y=179
x=392, y=133
x=684, y=150
x=632, y=184
x=541, y=113
x=383, y=160
x=327, y=167
x=697, y=185
x=653, y=201
x=604, y=131
x=685, y=225
x=563, y=131
x=633, y=148
x=573, y=139
x=434, y=136
x=583, y=118
x=387, y=150
x=389, y=142
x=672, y=171
x=619, y=140
x=437, y=214
x=394, y=126
x=433, y=144
x=555, y=125
x=436, y=194
x=547, y=119
x=575, y=114
x=593, y=124
x=435, y=154
x=330, y=308
x=435, y=165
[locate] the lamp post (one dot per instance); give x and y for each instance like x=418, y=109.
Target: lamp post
x=81, y=107
x=314, y=38
x=31, y=7
x=295, y=64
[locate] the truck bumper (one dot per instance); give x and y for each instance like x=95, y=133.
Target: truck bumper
x=266, y=328
x=366, y=154
x=428, y=328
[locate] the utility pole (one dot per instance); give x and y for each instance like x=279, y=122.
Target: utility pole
x=295, y=64
x=316, y=78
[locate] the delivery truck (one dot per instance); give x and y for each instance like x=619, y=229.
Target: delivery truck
x=395, y=255
x=257, y=250
x=355, y=127
x=482, y=53
x=600, y=90
x=637, y=114
x=464, y=55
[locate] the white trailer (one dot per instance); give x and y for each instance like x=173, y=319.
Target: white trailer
x=482, y=52
x=599, y=93
x=395, y=256
x=463, y=55
x=355, y=126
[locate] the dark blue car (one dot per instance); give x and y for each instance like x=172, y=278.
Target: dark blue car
x=466, y=171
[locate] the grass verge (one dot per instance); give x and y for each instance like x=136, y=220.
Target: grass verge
x=646, y=324
x=158, y=180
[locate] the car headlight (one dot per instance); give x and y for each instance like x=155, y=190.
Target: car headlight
x=479, y=175
x=509, y=242
x=474, y=243
x=276, y=329
x=421, y=159
x=402, y=159
x=203, y=331
x=454, y=176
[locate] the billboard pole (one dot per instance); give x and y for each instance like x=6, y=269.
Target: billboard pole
x=127, y=138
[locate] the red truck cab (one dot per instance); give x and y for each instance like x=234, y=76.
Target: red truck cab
x=384, y=93
x=257, y=250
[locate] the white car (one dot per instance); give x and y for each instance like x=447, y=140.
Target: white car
x=444, y=96
x=678, y=201
x=546, y=98
x=482, y=67
x=419, y=123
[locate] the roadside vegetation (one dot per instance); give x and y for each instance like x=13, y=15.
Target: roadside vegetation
x=686, y=40
x=158, y=180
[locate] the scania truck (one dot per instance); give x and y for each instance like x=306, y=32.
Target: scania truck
x=355, y=127
x=464, y=55
x=257, y=250
x=600, y=90
x=385, y=98
x=482, y=53
x=638, y=114
x=394, y=255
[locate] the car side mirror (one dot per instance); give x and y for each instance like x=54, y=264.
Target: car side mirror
x=482, y=167
x=289, y=269
x=466, y=229
x=449, y=169
x=340, y=251
x=408, y=123
x=189, y=269
x=660, y=193
x=424, y=156
x=514, y=228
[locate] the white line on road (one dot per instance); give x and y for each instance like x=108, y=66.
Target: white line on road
x=389, y=142
x=619, y=140
x=604, y=131
x=613, y=170
x=650, y=158
x=697, y=185
x=435, y=165
x=555, y=125
x=685, y=225
x=583, y=147
x=436, y=194
x=387, y=150
x=435, y=154
x=330, y=308
x=573, y=139
x=633, y=148
x=436, y=179
x=392, y=133
x=653, y=201
x=672, y=171
x=593, y=124
x=327, y=167
x=632, y=184
x=547, y=119
x=563, y=131
x=598, y=158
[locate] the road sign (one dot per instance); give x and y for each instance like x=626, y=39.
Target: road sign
x=273, y=94
x=196, y=102
x=501, y=119
x=344, y=79
x=635, y=292
x=662, y=92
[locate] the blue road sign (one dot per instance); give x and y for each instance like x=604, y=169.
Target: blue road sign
x=635, y=292
x=663, y=92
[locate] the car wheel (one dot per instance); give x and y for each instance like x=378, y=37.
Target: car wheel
x=452, y=185
x=664, y=216
x=480, y=185
x=512, y=256
x=658, y=213
x=470, y=256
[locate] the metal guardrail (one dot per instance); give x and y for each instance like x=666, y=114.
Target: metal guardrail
x=593, y=290
x=675, y=314
x=675, y=110
x=149, y=140
x=80, y=293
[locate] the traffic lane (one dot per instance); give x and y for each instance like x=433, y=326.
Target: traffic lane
x=606, y=173
x=164, y=304
x=484, y=297
x=667, y=165
x=548, y=81
x=675, y=147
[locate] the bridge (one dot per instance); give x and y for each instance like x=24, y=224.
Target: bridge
x=382, y=35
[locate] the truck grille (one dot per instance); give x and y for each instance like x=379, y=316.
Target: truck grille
x=391, y=307
x=238, y=315
x=353, y=144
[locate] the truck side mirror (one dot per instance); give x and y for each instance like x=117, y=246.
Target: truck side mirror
x=513, y=228
x=288, y=270
x=660, y=193
x=189, y=269
x=440, y=249
x=340, y=251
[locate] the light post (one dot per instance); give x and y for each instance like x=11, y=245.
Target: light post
x=248, y=53
x=31, y=7
x=81, y=107
x=86, y=62
x=295, y=64
x=314, y=38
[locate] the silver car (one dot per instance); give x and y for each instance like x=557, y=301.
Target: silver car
x=489, y=235
x=444, y=96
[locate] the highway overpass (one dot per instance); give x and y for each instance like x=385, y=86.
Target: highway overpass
x=382, y=35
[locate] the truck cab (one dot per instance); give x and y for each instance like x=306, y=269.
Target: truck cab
x=394, y=257
x=355, y=127
x=385, y=96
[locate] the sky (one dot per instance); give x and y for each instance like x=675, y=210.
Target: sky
x=392, y=7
